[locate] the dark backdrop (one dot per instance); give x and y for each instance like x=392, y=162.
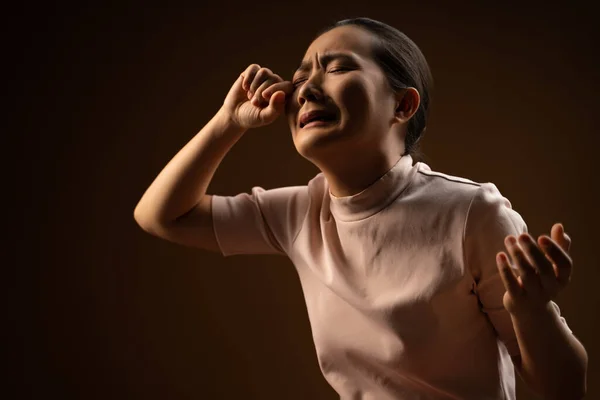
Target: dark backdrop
x=100, y=101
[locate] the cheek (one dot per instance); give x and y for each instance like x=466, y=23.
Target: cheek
x=291, y=104
x=291, y=110
x=355, y=98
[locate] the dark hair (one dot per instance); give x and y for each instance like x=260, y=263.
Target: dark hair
x=404, y=65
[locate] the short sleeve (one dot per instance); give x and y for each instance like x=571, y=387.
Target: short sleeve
x=259, y=222
x=489, y=220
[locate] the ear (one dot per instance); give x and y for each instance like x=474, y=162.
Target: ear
x=407, y=103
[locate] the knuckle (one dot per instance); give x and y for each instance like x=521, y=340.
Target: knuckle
x=264, y=85
x=262, y=73
x=251, y=70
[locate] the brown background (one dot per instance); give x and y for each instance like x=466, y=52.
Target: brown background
x=98, y=309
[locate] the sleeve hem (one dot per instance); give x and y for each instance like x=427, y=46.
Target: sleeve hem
x=269, y=236
x=214, y=200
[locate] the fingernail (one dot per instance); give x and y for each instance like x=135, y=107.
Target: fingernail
x=250, y=94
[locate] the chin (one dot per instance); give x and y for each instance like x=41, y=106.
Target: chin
x=318, y=142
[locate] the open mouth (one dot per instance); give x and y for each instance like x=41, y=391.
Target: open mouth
x=317, y=120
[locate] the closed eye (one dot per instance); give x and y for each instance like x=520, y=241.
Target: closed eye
x=298, y=82
x=339, y=69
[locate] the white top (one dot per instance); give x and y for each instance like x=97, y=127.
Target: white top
x=400, y=281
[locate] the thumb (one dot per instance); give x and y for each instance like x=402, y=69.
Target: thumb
x=275, y=107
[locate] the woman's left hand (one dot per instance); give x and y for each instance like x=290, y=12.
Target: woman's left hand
x=544, y=270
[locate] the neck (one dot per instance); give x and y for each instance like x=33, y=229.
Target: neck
x=352, y=175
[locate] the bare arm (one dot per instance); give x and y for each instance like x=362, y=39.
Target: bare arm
x=553, y=362
x=175, y=206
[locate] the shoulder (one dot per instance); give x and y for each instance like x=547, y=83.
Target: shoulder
x=476, y=200
x=486, y=193
x=440, y=178
x=445, y=187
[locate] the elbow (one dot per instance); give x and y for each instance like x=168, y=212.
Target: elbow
x=138, y=217
x=150, y=223
x=144, y=221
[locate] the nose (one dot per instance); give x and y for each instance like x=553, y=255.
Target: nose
x=309, y=92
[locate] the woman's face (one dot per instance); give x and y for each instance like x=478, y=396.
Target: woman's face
x=341, y=82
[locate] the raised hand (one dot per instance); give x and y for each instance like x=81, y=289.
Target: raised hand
x=544, y=269
x=257, y=97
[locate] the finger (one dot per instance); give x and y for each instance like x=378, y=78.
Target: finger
x=559, y=235
x=507, y=275
x=536, y=256
x=561, y=260
x=527, y=273
x=257, y=98
x=249, y=74
x=539, y=261
x=261, y=75
x=286, y=86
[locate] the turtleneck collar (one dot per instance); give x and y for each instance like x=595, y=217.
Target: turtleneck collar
x=377, y=196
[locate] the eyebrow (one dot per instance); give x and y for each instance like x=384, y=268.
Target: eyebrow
x=325, y=59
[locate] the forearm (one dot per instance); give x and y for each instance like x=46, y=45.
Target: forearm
x=553, y=361
x=184, y=180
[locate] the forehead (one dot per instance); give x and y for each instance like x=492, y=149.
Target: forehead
x=343, y=39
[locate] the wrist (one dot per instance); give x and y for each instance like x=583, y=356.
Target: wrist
x=228, y=123
x=544, y=312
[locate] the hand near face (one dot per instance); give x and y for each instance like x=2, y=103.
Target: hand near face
x=257, y=97
x=544, y=269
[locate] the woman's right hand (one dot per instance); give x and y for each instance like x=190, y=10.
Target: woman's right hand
x=257, y=97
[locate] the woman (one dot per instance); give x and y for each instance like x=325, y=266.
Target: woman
x=408, y=291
